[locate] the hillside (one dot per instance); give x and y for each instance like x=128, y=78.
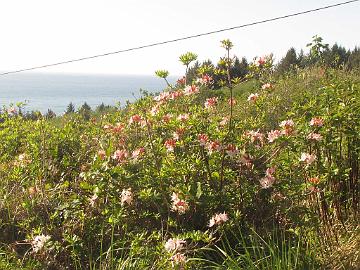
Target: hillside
x=260, y=174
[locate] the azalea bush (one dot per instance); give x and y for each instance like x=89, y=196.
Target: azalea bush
x=160, y=183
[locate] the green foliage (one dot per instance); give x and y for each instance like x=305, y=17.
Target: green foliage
x=117, y=191
x=187, y=58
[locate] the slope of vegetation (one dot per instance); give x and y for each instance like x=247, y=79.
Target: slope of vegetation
x=261, y=174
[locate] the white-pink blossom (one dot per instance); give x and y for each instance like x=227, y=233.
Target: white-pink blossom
x=273, y=135
x=218, y=219
x=179, y=205
x=307, y=158
x=174, y=244
x=253, y=97
x=126, y=196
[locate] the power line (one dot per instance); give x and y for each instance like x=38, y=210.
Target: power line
x=181, y=38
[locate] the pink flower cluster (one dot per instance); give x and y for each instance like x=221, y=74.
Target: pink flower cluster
x=118, y=128
x=170, y=145
x=191, y=89
x=287, y=126
x=231, y=150
x=315, y=136
x=269, y=179
x=126, y=196
x=203, y=139
x=255, y=136
x=273, y=135
x=211, y=102
x=205, y=80
x=266, y=86
x=213, y=146
x=120, y=155
x=317, y=122
x=307, y=158
x=253, y=97
x=178, y=205
x=218, y=219
x=174, y=244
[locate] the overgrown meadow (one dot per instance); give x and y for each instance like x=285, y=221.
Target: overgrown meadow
x=260, y=174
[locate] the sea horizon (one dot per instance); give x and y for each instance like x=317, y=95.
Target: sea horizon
x=55, y=91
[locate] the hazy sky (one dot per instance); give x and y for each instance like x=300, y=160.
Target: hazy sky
x=39, y=32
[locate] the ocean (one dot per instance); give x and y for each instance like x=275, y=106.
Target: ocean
x=43, y=91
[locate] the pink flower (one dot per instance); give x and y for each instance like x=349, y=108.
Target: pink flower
x=181, y=81
x=170, y=145
x=126, y=196
x=267, y=181
x=107, y=127
x=178, y=259
x=101, y=154
x=203, y=139
x=273, y=135
x=174, y=244
x=11, y=110
x=246, y=160
x=253, y=97
x=137, y=153
x=190, y=90
x=261, y=61
x=155, y=110
x=232, y=150
x=211, y=102
x=183, y=117
x=255, y=136
x=178, y=205
x=317, y=122
x=162, y=97
x=120, y=155
x=178, y=133
x=307, y=158
x=135, y=119
x=288, y=126
x=224, y=121
x=118, y=128
x=232, y=101
x=287, y=123
x=315, y=136
x=176, y=94
x=205, y=79
x=266, y=86
x=213, y=146
x=166, y=118
x=270, y=171
x=314, y=180
x=218, y=219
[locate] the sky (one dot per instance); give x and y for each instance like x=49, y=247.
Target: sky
x=39, y=32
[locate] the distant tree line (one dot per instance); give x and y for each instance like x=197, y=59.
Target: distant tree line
x=334, y=56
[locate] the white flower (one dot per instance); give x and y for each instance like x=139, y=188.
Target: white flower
x=218, y=219
x=178, y=205
x=178, y=259
x=267, y=181
x=307, y=158
x=126, y=196
x=39, y=242
x=174, y=244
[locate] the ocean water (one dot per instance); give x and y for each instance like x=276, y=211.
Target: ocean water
x=42, y=91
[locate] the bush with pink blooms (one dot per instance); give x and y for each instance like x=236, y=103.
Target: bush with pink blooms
x=162, y=182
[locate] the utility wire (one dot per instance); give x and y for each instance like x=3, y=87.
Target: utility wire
x=182, y=38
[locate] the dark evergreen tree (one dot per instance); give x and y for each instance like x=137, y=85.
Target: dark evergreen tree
x=85, y=111
x=70, y=108
x=50, y=114
x=289, y=62
x=354, y=59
